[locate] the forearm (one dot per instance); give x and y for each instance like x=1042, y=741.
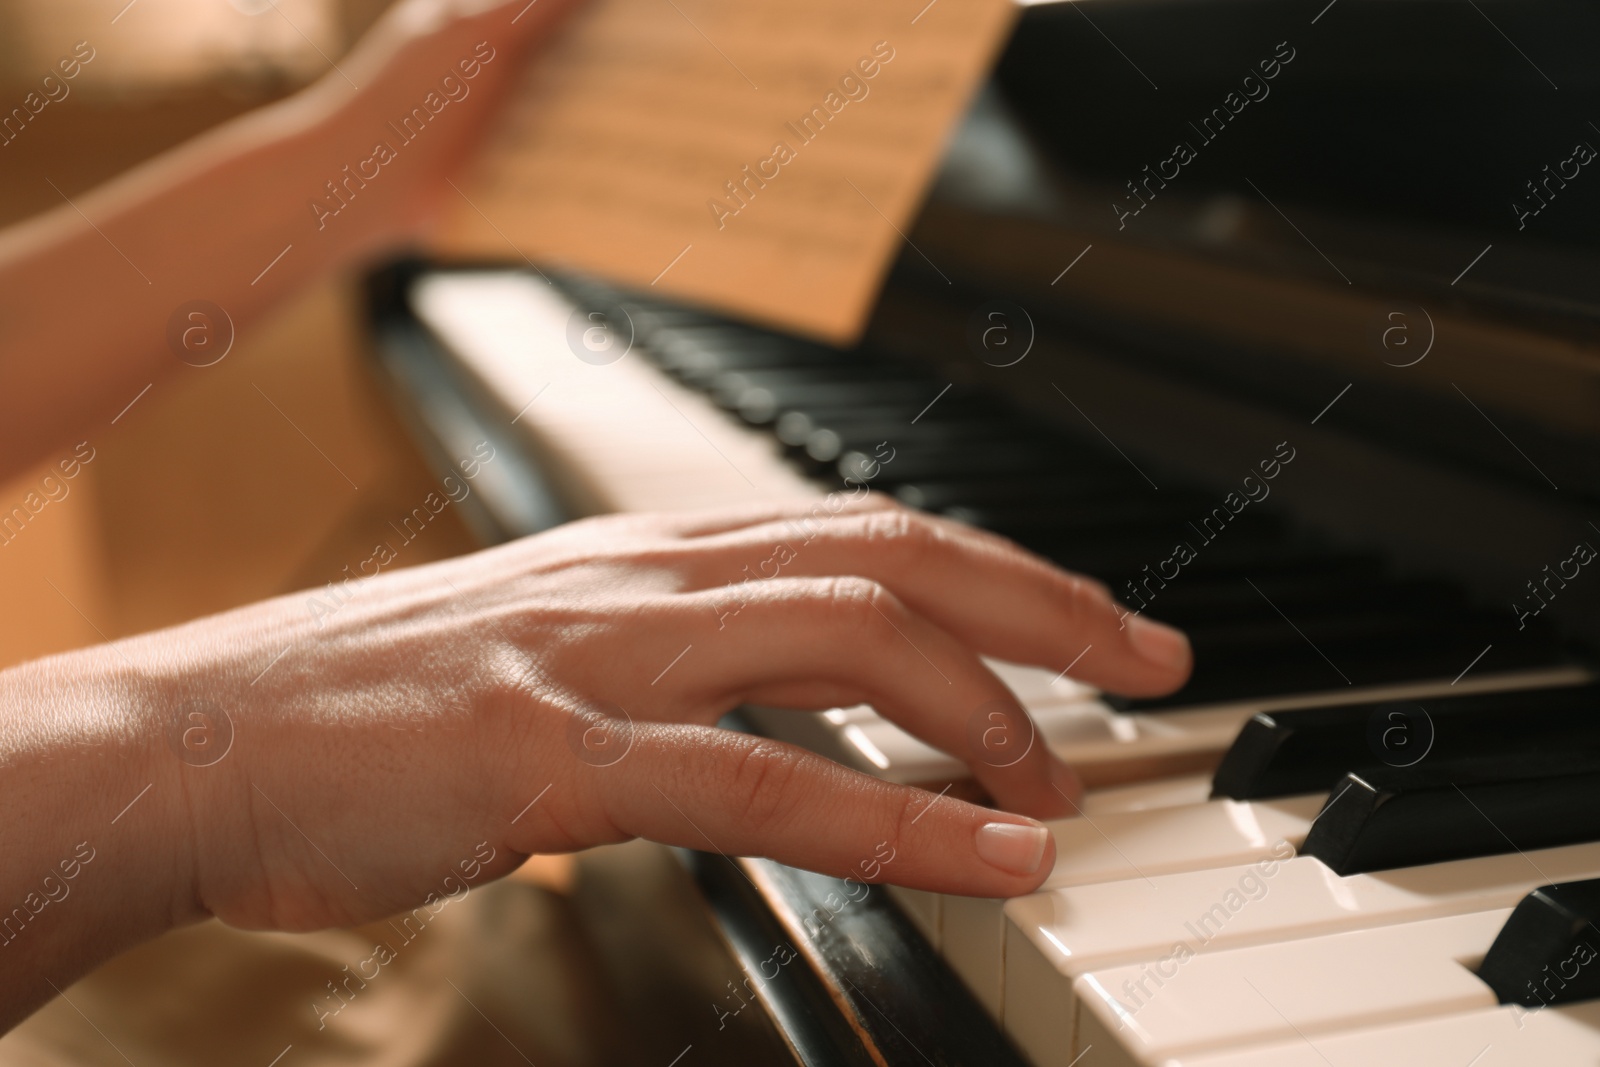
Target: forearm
x=92, y=294
x=88, y=289
x=95, y=851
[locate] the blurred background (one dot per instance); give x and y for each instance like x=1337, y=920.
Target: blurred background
x=201, y=496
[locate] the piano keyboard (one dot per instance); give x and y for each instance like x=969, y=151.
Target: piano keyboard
x=1172, y=893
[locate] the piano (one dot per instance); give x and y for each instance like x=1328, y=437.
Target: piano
x=1280, y=320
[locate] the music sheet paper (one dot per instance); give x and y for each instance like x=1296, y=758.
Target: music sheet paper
x=762, y=157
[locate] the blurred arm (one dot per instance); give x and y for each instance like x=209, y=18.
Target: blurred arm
x=243, y=216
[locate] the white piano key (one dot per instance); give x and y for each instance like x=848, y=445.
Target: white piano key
x=1140, y=1015
x=854, y=713
x=1118, y=846
x=878, y=746
x=819, y=731
x=1054, y=937
x=886, y=750
x=1143, y=796
x=883, y=751
x=619, y=436
x=1037, y=1012
x=1100, y=743
x=927, y=909
x=1113, y=847
x=1110, y=747
x=1035, y=686
x=923, y=908
x=1506, y=1036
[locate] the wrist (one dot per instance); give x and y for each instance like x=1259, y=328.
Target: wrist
x=364, y=194
x=105, y=858
x=110, y=726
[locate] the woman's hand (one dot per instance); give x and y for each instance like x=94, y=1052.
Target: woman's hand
x=560, y=692
x=347, y=753
x=408, y=105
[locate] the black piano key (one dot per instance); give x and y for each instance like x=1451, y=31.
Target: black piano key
x=1286, y=669
x=1307, y=584
x=827, y=444
x=1378, y=821
x=899, y=466
x=1045, y=517
x=1296, y=592
x=1546, y=952
x=1223, y=609
x=1273, y=577
x=646, y=320
x=1275, y=668
x=670, y=339
x=793, y=425
x=1336, y=624
x=1031, y=484
x=1073, y=540
x=700, y=365
x=1309, y=577
x=730, y=386
x=1083, y=479
x=1282, y=753
x=1144, y=554
x=759, y=405
x=1227, y=612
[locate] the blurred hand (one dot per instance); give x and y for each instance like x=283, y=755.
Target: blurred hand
x=348, y=172
x=559, y=692
x=444, y=65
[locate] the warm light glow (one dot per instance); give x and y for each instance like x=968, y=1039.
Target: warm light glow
x=858, y=737
x=162, y=44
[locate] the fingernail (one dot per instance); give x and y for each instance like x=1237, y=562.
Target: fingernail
x=1015, y=848
x=1161, y=645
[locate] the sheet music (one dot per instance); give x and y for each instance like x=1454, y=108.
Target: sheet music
x=760, y=156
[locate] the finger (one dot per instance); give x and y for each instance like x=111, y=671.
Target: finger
x=427, y=35
x=997, y=597
x=692, y=526
x=725, y=520
x=856, y=635
x=704, y=788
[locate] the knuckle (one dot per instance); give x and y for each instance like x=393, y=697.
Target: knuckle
x=903, y=827
x=762, y=784
x=584, y=536
x=902, y=531
x=863, y=502
x=857, y=602
x=910, y=542
x=1088, y=599
x=659, y=565
x=505, y=684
